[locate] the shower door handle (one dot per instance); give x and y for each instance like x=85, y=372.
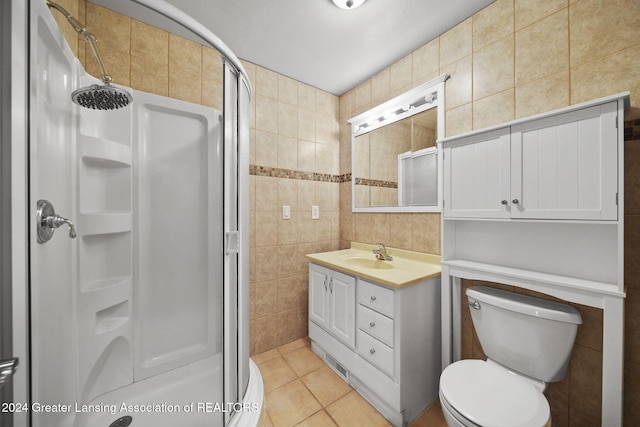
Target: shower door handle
x=8, y=367
x=47, y=221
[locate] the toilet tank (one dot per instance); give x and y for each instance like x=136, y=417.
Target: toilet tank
x=529, y=335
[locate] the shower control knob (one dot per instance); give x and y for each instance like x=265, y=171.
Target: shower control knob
x=47, y=221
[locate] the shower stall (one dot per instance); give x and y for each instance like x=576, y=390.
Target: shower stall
x=137, y=255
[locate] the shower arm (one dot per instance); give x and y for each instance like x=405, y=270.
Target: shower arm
x=89, y=37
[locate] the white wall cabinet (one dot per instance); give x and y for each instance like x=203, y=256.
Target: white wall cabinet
x=394, y=359
x=476, y=176
x=538, y=203
x=558, y=167
x=332, y=302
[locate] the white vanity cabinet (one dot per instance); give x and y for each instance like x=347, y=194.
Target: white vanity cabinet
x=332, y=302
x=558, y=167
x=394, y=359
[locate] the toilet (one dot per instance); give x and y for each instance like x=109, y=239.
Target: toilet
x=528, y=343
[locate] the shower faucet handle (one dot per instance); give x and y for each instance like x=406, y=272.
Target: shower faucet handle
x=56, y=221
x=48, y=220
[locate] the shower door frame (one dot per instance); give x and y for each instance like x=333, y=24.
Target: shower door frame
x=15, y=74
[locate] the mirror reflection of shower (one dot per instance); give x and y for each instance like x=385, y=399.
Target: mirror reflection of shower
x=96, y=97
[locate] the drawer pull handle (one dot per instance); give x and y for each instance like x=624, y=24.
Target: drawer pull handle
x=372, y=324
x=372, y=351
x=373, y=298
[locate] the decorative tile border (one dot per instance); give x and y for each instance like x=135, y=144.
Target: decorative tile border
x=300, y=175
x=376, y=183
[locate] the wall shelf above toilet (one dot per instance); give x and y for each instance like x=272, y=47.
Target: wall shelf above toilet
x=538, y=203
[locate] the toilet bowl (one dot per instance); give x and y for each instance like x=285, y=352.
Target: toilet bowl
x=478, y=393
x=528, y=342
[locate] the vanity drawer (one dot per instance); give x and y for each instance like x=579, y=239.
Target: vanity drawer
x=376, y=352
x=375, y=324
x=376, y=297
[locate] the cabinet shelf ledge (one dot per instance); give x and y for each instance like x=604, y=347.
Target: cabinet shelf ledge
x=537, y=277
x=536, y=221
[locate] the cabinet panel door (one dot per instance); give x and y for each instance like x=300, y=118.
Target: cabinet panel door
x=319, y=296
x=342, y=321
x=476, y=178
x=565, y=167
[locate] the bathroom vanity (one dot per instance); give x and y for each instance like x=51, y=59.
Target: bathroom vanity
x=377, y=324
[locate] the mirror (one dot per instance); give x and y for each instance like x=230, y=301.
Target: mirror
x=395, y=160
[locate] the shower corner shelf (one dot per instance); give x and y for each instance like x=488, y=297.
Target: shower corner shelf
x=104, y=223
x=104, y=153
x=101, y=284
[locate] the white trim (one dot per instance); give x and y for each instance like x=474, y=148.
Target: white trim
x=19, y=209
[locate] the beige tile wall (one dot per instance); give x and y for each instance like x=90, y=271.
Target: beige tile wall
x=294, y=142
x=144, y=57
x=514, y=59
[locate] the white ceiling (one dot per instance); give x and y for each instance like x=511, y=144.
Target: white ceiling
x=315, y=42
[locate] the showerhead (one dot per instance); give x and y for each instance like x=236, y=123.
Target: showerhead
x=107, y=97
x=96, y=97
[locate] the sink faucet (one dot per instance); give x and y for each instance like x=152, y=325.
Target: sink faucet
x=381, y=253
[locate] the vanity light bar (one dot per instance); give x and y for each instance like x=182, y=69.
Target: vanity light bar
x=428, y=99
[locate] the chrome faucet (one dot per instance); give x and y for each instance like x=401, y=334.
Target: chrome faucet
x=381, y=253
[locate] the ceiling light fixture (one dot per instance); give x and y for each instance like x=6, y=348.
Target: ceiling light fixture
x=348, y=4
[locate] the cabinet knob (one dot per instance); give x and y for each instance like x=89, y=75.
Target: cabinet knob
x=372, y=351
x=373, y=297
x=504, y=202
x=372, y=324
x=515, y=201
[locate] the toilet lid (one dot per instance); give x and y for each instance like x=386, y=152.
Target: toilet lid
x=491, y=396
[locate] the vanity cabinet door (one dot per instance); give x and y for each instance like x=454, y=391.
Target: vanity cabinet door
x=477, y=176
x=332, y=302
x=342, y=320
x=565, y=166
x=318, y=296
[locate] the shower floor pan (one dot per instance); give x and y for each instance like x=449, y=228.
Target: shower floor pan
x=189, y=396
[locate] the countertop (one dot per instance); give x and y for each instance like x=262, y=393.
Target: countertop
x=407, y=267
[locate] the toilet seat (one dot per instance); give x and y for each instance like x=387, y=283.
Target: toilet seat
x=488, y=395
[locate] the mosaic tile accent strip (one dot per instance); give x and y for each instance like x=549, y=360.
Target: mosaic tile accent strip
x=632, y=130
x=300, y=175
x=376, y=183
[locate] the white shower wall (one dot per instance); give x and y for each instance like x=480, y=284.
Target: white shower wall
x=150, y=241
x=178, y=234
x=139, y=292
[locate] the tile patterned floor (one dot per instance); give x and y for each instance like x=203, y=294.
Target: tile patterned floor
x=300, y=390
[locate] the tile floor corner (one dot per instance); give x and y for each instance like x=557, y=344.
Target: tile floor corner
x=301, y=390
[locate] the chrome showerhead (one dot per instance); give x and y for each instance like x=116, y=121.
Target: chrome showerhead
x=96, y=97
x=107, y=97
